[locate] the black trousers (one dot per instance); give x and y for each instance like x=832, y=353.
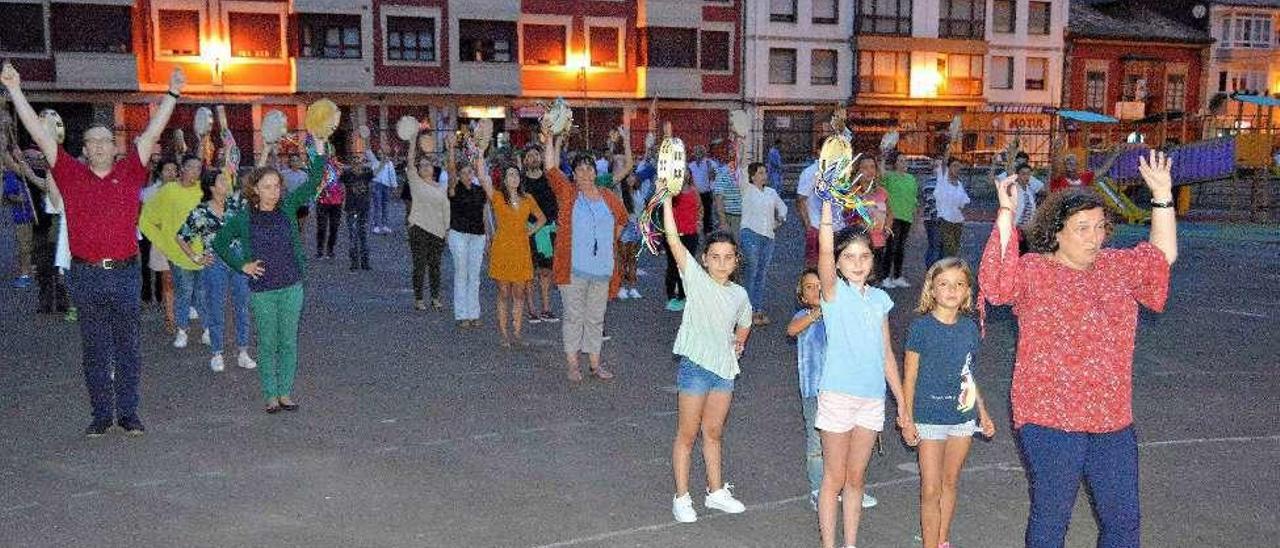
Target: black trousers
x=675, y=289
x=425, y=249
x=328, y=219
x=52, y=288
x=708, y=218
x=897, y=248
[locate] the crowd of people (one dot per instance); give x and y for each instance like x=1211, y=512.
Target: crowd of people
x=211, y=230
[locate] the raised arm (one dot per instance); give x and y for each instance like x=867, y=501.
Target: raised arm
x=411, y=160
x=1155, y=169
x=826, y=252
x=451, y=162
x=669, y=229
x=12, y=82
x=147, y=141
x=481, y=167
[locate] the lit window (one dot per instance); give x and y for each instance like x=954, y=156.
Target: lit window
x=254, y=35
x=179, y=32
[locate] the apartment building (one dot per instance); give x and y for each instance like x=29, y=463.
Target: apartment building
x=1024, y=73
x=381, y=59
x=801, y=60
x=1245, y=58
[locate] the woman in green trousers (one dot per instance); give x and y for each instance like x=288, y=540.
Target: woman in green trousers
x=263, y=242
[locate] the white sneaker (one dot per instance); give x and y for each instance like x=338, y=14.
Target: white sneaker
x=180, y=340
x=192, y=314
x=635, y=293
x=244, y=361
x=869, y=501
x=723, y=501
x=902, y=282
x=204, y=338
x=216, y=363
x=622, y=294
x=682, y=509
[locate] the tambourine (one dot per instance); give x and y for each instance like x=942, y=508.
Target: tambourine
x=482, y=134
x=558, y=118
x=671, y=170
x=406, y=128
x=889, y=141
x=274, y=126
x=322, y=118
x=837, y=181
x=202, y=123
x=53, y=124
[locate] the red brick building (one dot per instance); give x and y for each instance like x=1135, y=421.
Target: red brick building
x=1133, y=63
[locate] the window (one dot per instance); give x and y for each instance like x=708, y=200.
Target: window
x=1135, y=87
x=822, y=67
x=486, y=41
x=673, y=47
x=254, y=35
x=782, y=66
x=886, y=72
x=411, y=39
x=1038, y=16
x=23, y=28
x=112, y=28
x=544, y=44
x=961, y=18
x=1037, y=72
x=179, y=32
x=1175, y=92
x=885, y=17
x=604, y=46
x=715, y=50
x=964, y=74
x=826, y=12
x=1095, y=90
x=1222, y=81
x=782, y=11
x=1001, y=72
x=330, y=36
x=1246, y=31
x=1248, y=81
x=1004, y=16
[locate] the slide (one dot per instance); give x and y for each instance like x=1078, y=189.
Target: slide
x=1121, y=204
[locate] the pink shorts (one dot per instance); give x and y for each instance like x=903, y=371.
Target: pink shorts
x=839, y=412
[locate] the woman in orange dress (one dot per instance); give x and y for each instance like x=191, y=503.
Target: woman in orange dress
x=510, y=259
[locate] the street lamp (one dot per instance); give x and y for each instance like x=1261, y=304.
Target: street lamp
x=578, y=63
x=215, y=54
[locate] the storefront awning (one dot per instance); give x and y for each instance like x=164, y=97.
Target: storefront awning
x=1087, y=117
x=1260, y=100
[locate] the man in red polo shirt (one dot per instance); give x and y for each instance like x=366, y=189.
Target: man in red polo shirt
x=101, y=202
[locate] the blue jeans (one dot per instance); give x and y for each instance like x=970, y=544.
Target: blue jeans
x=1056, y=461
x=812, y=444
x=218, y=278
x=188, y=291
x=933, y=251
x=757, y=253
x=379, y=200
x=109, y=304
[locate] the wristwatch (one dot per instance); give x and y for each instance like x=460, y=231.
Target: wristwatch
x=1158, y=204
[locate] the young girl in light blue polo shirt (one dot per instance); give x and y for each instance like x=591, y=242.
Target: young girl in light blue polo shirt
x=858, y=362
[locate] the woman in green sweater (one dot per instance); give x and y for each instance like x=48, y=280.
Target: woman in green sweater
x=263, y=242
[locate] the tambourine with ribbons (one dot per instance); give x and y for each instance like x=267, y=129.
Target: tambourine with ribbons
x=837, y=180
x=670, y=181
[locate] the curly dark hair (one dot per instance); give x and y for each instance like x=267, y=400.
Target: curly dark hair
x=1052, y=215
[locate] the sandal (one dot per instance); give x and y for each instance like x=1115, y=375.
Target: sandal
x=575, y=374
x=601, y=373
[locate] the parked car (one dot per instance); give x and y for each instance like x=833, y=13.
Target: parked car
x=919, y=164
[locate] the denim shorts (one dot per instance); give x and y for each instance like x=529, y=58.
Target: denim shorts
x=940, y=432
x=692, y=379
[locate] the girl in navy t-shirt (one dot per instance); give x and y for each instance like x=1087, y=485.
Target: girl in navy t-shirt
x=943, y=406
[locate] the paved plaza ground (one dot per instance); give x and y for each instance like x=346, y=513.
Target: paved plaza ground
x=412, y=433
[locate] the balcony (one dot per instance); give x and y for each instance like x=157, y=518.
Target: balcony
x=673, y=82
x=321, y=75
x=485, y=78
x=495, y=10
x=331, y=6
x=105, y=71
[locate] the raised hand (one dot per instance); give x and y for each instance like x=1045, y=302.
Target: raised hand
x=1156, y=170
x=9, y=76
x=1007, y=191
x=177, y=80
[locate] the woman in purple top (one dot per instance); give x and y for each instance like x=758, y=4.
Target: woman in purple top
x=263, y=242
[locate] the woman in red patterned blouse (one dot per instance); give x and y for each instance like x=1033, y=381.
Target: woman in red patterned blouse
x=1077, y=308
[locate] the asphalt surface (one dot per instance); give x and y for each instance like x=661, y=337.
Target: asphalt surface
x=412, y=433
